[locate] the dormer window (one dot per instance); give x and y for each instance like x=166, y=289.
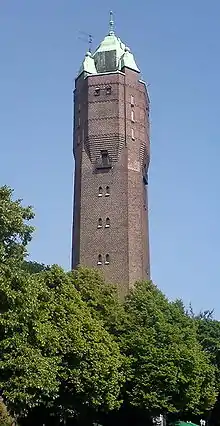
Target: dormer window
x=108, y=90
x=100, y=191
x=97, y=91
x=107, y=259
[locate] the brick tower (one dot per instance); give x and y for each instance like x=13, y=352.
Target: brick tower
x=111, y=151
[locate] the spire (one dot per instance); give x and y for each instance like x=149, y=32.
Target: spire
x=111, y=24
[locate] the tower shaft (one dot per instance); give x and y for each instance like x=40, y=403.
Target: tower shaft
x=111, y=151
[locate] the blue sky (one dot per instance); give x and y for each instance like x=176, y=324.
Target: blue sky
x=176, y=45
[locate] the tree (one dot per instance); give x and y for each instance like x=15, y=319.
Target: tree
x=101, y=298
x=34, y=267
x=54, y=354
x=169, y=370
x=15, y=232
x=209, y=337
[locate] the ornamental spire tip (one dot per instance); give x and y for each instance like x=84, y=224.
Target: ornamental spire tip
x=111, y=24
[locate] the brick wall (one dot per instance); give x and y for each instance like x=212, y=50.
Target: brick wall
x=106, y=122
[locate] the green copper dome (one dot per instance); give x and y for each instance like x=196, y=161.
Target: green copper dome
x=111, y=55
x=108, y=54
x=88, y=65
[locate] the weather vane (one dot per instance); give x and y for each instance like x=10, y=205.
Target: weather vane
x=87, y=38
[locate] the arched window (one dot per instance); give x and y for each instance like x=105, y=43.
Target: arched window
x=107, y=222
x=107, y=259
x=99, y=259
x=107, y=191
x=100, y=223
x=100, y=191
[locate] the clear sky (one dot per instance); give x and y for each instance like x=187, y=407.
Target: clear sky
x=176, y=45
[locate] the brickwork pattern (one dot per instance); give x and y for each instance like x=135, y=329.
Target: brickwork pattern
x=106, y=123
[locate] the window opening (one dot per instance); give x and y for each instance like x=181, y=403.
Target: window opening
x=100, y=223
x=132, y=115
x=132, y=100
x=107, y=193
x=108, y=90
x=107, y=259
x=107, y=222
x=99, y=259
x=105, y=159
x=100, y=191
x=97, y=91
x=132, y=134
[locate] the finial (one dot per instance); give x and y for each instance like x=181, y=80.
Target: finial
x=111, y=24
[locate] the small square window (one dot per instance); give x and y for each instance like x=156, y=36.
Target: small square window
x=97, y=91
x=132, y=134
x=108, y=90
x=132, y=100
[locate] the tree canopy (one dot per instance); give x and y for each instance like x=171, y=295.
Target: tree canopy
x=71, y=349
x=52, y=349
x=15, y=232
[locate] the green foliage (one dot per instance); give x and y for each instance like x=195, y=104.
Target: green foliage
x=69, y=346
x=52, y=349
x=169, y=370
x=5, y=418
x=34, y=267
x=15, y=233
x=101, y=298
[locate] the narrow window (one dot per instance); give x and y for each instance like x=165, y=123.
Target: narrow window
x=107, y=259
x=100, y=191
x=79, y=107
x=132, y=100
x=108, y=90
x=132, y=115
x=100, y=223
x=79, y=121
x=78, y=140
x=132, y=134
x=99, y=259
x=104, y=155
x=83, y=134
x=97, y=91
x=107, y=223
x=107, y=193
